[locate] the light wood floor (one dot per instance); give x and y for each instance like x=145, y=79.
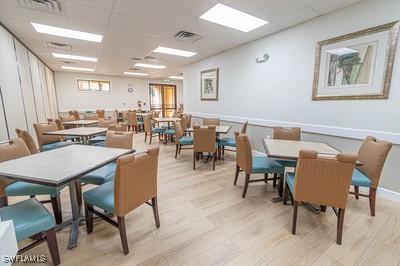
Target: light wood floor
x=204, y=221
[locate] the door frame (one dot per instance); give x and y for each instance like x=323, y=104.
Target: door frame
x=162, y=96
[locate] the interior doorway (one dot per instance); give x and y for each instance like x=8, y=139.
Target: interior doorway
x=163, y=98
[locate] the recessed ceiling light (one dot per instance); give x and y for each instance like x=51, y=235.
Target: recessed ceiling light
x=166, y=50
x=75, y=57
x=232, y=18
x=149, y=66
x=135, y=73
x=78, y=68
x=175, y=77
x=74, y=34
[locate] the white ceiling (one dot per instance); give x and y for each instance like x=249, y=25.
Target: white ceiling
x=133, y=28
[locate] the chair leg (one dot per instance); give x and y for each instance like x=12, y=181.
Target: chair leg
x=266, y=178
x=56, y=204
x=89, y=218
x=340, y=226
x=285, y=194
x=53, y=246
x=3, y=202
x=246, y=184
x=214, y=157
x=176, y=151
x=145, y=136
x=122, y=233
x=194, y=160
x=372, y=200
x=356, y=190
x=294, y=222
x=151, y=137
x=236, y=175
x=223, y=153
x=180, y=148
x=154, y=205
x=275, y=179
x=280, y=184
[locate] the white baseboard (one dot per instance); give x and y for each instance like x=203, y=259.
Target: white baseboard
x=352, y=133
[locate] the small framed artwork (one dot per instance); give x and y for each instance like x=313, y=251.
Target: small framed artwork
x=209, y=85
x=356, y=66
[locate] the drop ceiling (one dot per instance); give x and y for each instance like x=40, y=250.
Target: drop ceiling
x=134, y=28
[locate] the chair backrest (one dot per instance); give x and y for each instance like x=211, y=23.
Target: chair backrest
x=100, y=113
x=372, y=154
x=244, y=127
x=75, y=114
x=323, y=180
x=46, y=139
x=28, y=140
x=189, y=121
x=178, y=131
x=204, y=139
x=121, y=140
x=135, y=181
x=118, y=127
x=59, y=124
x=90, y=117
x=106, y=123
x=292, y=133
x=148, y=127
x=211, y=122
x=244, y=158
x=184, y=122
x=67, y=118
x=131, y=118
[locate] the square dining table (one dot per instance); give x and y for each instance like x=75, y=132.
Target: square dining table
x=83, y=132
x=168, y=120
x=81, y=123
x=60, y=167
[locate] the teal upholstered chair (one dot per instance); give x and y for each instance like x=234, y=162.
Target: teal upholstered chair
x=30, y=218
x=46, y=142
x=14, y=149
x=150, y=130
x=253, y=164
x=180, y=139
x=229, y=141
x=135, y=183
x=372, y=155
x=114, y=139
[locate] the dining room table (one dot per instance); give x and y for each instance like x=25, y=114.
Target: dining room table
x=79, y=132
x=62, y=167
x=81, y=123
x=167, y=120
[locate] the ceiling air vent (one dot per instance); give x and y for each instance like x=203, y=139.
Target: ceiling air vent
x=137, y=58
x=185, y=36
x=135, y=69
x=68, y=62
x=50, y=6
x=57, y=45
x=152, y=59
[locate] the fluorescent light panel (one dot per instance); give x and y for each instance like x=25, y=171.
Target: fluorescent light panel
x=232, y=18
x=166, y=50
x=75, y=57
x=150, y=66
x=62, y=32
x=175, y=77
x=135, y=73
x=78, y=68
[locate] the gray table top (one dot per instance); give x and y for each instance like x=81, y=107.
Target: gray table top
x=60, y=166
x=78, y=132
x=81, y=122
x=218, y=129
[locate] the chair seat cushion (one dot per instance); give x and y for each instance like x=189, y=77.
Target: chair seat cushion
x=99, y=144
x=169, y=132
x=359, y=179
x=263, y=164
x=230, y=142
x=55, y=145
x=97, y=139
x=287, y=163
x=29, y=216
x=101, y=196
x=20, y=188
x=158, y=130
x=290, y=181
x=101, y=175
x=186, y=140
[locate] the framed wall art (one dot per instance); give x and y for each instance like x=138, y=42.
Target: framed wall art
x=209, y=85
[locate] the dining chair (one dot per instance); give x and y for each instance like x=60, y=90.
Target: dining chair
x=47, y=142
x=322, y=180
x=150, y=130
x=119, y=127
x=132, y=122
x=204, y=140
x=189, y=123
x=180, y=139
x=28, y=140
x=372, y=155
x=287, y=133
x=75, y=113
x=103, y=123
x=135, y=184
x=15, y=149
x=229, y=141
x=250, y=164
x=67, y=118
x=101, y=113
x=90, y=116
x=31, y=219
x=211, y=122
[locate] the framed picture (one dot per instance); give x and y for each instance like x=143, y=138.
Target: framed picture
x=358, y=65
x=209, y=85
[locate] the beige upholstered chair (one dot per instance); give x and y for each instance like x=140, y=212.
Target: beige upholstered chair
x=44, y=140
x=132, y=121
x=211, y=122
x=229, y=141
x=90, y=117
x=204, y=140
x=150, y=130
x=75, y=113
x=27, y=138
x=68, y=118
x=101, y=113
x=135, y=184
x=118, y=127
x=121, y=140
x=321, y=180
x=372, y=155
x=107, y=123
x=293, y=133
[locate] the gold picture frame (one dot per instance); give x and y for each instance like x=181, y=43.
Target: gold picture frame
x=389, y=58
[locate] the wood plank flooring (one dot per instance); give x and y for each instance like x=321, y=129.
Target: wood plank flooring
x=204, y=221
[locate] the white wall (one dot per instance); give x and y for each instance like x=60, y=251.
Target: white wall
x=119, y=98
x=278, y=92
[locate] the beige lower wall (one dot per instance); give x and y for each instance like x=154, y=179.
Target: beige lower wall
x=390, y=177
